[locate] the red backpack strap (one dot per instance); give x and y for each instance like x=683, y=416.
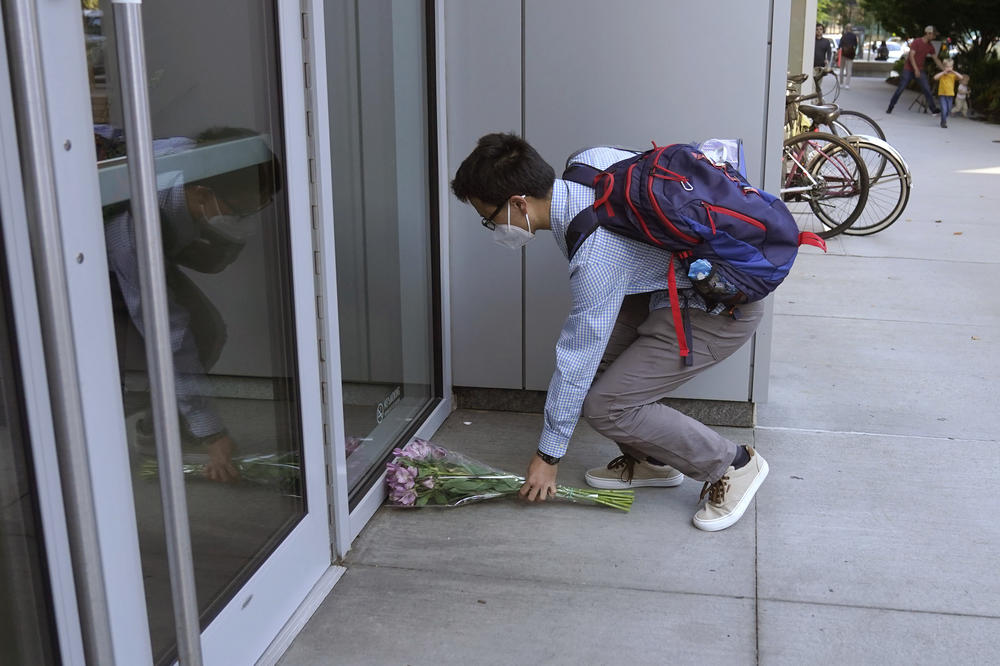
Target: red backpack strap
x=809, y=238
x=675, y=310
x=608, y=180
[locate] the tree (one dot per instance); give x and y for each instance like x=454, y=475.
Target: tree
x=974, y=25
x=839, y=12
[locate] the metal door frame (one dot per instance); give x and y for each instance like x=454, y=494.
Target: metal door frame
x=26, y=328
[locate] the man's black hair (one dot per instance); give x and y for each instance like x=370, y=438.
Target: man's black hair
x=820, y=25
x=502, y=166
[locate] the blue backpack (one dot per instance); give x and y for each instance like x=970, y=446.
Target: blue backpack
x=675, y=198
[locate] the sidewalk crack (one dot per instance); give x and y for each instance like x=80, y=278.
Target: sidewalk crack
x=756, y=588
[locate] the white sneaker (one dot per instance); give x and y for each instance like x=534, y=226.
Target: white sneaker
x=847, y=87
x=729, y=497
x=626, y=472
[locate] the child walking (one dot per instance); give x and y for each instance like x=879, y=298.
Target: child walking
x=946, y=79
x=962, y=97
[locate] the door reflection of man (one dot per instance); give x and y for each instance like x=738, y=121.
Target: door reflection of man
x=205, y=226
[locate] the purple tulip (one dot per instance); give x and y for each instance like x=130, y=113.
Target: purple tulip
x=428, y=482
x=408, y=498
x=403, y=477
x=418, y=449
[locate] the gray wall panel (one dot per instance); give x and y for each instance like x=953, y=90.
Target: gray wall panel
x=684, y=75
x=483, y=95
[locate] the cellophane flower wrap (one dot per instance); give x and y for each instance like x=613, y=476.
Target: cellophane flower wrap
x=276, y=470
x=424, y=474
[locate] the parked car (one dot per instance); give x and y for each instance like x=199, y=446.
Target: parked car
x=897, y=51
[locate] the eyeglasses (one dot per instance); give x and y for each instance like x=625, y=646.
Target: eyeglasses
x=488, y=221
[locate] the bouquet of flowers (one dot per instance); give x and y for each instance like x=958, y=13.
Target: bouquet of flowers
x=423, y=474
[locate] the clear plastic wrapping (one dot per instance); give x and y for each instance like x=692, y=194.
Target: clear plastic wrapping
x=423, y=474
x=279, y=471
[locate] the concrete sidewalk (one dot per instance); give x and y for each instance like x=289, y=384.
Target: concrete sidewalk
x=875, y=539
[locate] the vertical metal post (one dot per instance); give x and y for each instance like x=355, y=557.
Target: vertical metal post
x=57, y=328
x=156, y=324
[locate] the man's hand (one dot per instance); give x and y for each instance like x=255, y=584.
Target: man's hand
x=220, y=460
x=540, y=480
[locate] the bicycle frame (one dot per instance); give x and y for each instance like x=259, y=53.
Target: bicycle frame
x=800, y=168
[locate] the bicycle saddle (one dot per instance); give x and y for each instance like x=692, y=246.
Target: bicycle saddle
x=821, y=113
x=797, y=78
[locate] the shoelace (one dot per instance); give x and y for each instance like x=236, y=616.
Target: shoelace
x=716, y=491
x=627, y=463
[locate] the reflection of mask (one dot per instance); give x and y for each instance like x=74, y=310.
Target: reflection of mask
x=510, y=236
x=231, y=228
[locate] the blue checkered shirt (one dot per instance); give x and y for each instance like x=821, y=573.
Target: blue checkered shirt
x=605, y=269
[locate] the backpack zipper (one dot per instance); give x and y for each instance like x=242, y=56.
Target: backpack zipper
x=659, y=212
x=712, y=208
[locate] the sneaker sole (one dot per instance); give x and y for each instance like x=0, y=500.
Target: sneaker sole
x=612, y=484
x=741, y=507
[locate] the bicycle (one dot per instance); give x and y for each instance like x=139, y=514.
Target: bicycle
x=830, y=117
x=824, y=180
x=889, y=177
x=835, y=119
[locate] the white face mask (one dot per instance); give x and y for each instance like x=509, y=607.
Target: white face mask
x=510, y=236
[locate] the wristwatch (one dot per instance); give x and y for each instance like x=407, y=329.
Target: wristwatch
x=552, y=460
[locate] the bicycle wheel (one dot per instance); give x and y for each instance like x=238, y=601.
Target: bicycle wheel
x=824, y=182
x=829, y=88
x=855, y=122
x=888, y=193
x=875, y=166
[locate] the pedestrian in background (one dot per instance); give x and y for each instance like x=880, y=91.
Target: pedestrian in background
x=946, y=79
x=915, y=68
x=822, y=54
x=962, y=97
x=848, y=50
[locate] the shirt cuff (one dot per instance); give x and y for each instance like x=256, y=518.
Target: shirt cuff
x=553, y=444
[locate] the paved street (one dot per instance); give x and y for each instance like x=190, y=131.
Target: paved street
x=875, y=539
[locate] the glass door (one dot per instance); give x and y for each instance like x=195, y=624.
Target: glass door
x=380, y=88
x=226, y=103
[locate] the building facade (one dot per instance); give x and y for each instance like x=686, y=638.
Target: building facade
x=234, y=279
